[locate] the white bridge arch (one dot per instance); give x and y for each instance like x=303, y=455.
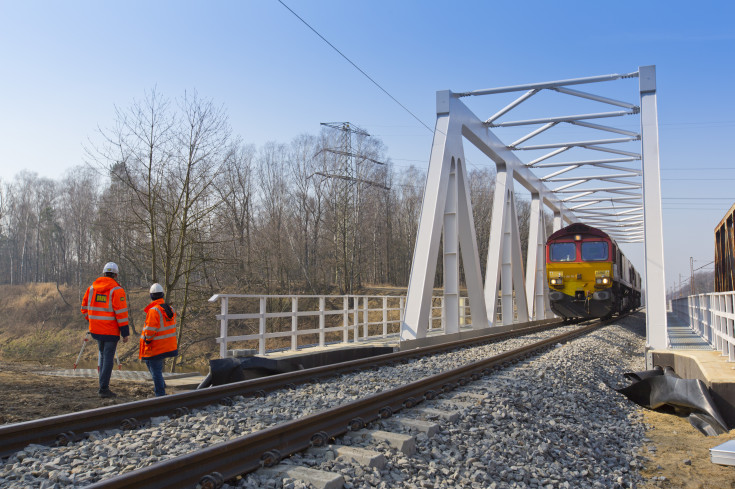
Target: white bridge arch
x=620, y=195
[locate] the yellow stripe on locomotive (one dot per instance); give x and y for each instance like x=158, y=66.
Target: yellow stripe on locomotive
x=570, y=278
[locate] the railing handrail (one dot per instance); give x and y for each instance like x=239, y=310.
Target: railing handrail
x=712, y=316
x=355, y=309
x=215, y=297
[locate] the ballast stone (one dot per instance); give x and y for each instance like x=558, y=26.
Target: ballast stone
x=320, y=479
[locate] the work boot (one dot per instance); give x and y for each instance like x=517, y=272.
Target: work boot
x=107, y=393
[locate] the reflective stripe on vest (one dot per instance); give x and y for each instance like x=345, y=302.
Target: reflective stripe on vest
x=160, y=338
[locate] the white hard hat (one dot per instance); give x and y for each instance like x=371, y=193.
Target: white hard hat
x=156, y=289
x=110, y=267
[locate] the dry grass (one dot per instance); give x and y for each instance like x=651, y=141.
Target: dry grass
x=43, y=324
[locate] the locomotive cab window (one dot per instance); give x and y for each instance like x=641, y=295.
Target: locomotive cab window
x=562, y=252
x=594, y=251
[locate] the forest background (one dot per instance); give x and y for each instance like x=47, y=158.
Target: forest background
x=173, y=196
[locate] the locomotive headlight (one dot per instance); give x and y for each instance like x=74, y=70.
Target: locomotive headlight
x=602, y=280
x=555, y=281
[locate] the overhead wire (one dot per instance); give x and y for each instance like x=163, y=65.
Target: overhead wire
x=355, y=66
x=366, y=75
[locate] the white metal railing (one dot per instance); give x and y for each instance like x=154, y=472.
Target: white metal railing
x=712, y=316
x=362, y=318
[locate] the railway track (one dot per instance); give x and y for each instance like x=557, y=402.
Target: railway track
x=209, y=467
x=67, y=428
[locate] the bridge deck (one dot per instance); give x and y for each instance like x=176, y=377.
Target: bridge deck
x=682, y=337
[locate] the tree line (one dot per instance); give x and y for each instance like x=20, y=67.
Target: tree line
x=169, y=193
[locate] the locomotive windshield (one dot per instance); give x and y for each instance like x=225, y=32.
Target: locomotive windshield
x=562, y=252
x=594, y=251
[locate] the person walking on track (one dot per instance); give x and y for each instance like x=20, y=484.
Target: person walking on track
x=158, y=338
x=105, y=307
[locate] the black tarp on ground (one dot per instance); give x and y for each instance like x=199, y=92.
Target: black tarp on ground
x=654, y=389
x=227, y=370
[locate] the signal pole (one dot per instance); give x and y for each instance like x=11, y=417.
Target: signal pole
x=691, y=274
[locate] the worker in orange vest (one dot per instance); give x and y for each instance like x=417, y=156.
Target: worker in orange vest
x=158, y=338
x=105, y=307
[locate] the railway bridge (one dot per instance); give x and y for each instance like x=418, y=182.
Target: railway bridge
x=594, y=160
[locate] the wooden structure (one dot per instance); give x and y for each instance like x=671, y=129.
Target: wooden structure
x=725, y=253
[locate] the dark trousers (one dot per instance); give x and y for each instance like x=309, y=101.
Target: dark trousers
x=107, y=360
x=155, y=367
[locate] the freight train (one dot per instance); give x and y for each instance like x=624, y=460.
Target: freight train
x=589, y=277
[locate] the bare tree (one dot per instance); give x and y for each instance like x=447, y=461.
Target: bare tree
x=137, y=152
x=235, y=189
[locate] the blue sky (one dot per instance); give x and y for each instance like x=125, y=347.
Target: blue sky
x=66, y=65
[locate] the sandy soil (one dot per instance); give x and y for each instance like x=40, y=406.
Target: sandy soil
x=28, y=394
x=678, y=455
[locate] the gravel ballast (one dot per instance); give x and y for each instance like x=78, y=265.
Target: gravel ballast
x=551, y=421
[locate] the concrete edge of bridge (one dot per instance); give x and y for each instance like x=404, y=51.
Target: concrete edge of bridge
x=711, y=367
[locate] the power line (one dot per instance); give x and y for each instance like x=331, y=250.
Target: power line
x=696, y=169
x=356, y=67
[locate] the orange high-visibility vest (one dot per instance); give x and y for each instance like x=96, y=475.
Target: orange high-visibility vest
x=105, y=307
x=159, y=333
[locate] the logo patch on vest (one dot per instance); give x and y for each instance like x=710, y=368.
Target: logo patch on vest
x=100, y=298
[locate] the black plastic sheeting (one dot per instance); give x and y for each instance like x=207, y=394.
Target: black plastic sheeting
x=227, y=370
x=662, y=388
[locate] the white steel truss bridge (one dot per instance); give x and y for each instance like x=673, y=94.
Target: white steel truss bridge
x=608, y=178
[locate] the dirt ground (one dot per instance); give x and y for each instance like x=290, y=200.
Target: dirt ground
x=28, y=394
x=678, y=455
x=681, y=455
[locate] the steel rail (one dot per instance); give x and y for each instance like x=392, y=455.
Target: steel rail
x=210, y=467
x=65, y=428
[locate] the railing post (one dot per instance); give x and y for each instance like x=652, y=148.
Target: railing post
x=365, y=318
x=402, y=308
x=322, y=302
x=431, y=315
x=223, y=327
x=717, y=323
x=385, y=317
x=294, y=323
x=462, y=312
x=355, y=318
x=345, y=319
x=707, y=317
x=261, y=326
x=443, y=302
x=729, y=298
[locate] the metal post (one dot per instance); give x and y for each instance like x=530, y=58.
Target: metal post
x=656, y=327
x=322, y=304
x=356, y=318
x=223, y=327
x=450, y=309
x=401, y=307
x=365, y=317
x=385, y=317
x=261, y=326
x=294, y=323
x=345, y=319
x=729, y=297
